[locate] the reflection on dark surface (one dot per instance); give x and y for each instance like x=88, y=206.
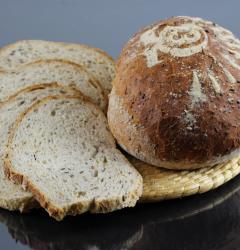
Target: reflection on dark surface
x=83, y=232
x=209, y=221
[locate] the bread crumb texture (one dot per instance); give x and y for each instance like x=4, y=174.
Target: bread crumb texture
x=13, y=196
x=48, y=71
x=65, y=154
x=96, y=61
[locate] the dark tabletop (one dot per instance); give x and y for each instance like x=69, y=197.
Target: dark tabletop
x=208, y=221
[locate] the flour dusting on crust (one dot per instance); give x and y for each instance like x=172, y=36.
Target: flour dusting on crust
x=179, y=41
x=215, y=84
x=196, y=93
x=179, y=79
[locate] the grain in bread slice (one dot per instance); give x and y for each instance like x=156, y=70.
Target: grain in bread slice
x=97, y=62
x=13, y=197
x=62, y=151
x=47, y=71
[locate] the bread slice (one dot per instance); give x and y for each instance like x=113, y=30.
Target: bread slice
x=48, y=71
x=13, y=197
x=97, y=62
x=63, y=152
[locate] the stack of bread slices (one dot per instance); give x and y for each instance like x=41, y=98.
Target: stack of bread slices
x=56, y=148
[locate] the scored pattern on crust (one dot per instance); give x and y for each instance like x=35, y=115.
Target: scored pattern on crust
x=187, y=39
x=178, y=79
x=179, y=41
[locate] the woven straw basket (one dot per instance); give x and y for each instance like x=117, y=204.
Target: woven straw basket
x=161, y=184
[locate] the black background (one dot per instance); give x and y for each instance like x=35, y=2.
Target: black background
x=209, y=221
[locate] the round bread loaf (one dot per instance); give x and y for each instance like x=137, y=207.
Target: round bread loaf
x=175, y=101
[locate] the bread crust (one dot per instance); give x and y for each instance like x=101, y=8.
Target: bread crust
x=25, y=201
x=182, y=94
x=92, y=80
x=21, y=204
x=133, y=139
x=94, y=206
x=103, y=53
x=105, y=57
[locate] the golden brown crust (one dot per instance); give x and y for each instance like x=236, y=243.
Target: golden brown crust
x=26, y=202
x=186, y=100
x=92, y=80
x=64, y=44
x=133, y=139
x=22, y=204
x=104, y=58
x=95, y=206
x=41, y=86
x=19, y=178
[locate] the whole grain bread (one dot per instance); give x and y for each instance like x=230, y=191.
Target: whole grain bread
x=62, y=151
x=175, y=100
x=48, y=71
x=13, y=197
x=97, y=62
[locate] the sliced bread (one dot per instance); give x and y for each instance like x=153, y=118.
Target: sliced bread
x=48, y=71
x=97, y=62
x=62, y=151
x=13, y=197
